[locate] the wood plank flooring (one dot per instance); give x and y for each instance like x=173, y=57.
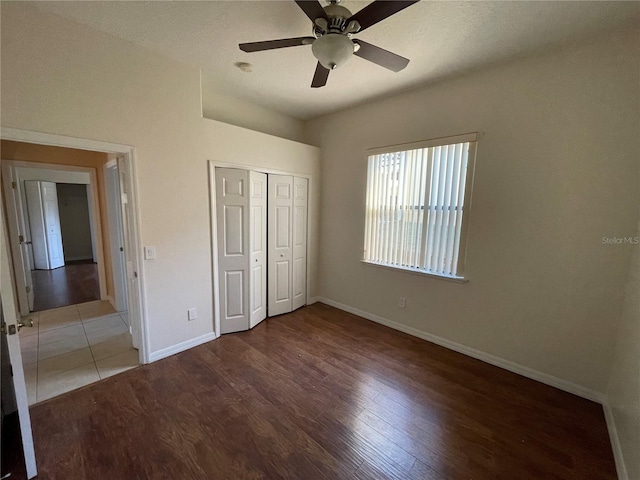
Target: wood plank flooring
x=320, y=394
x=76, y=282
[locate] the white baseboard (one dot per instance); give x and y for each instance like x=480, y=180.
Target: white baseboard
x=615, y=442
x=472, y=352
x=75, y=259
x=112, y=301
x=181, y=347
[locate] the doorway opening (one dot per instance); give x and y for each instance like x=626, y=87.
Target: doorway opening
x=83, y=294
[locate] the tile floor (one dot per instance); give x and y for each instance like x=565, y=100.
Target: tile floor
x=69, y=347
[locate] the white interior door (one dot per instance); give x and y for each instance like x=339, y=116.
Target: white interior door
x=299, y=282
x=116, y=237
x=258, y=248
x=36, y=222
x=232, y=222
x=9, y=316
x=280, y=205
x=130, y=253
x=44, y=219
x=18, y=238
x=52, y=224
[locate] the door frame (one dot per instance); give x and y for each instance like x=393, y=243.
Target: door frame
x=214, y=230
x=112, y=192
x=129, y=155
x=95, y=211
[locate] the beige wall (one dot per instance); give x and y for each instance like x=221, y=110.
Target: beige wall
x=63, y=78
x=242, y=113
x=556, y=171
x=28, y=152
x=624, y=383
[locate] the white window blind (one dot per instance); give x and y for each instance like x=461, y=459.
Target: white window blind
x=415, y=206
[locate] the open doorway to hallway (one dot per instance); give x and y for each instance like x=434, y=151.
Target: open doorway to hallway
x=63, y=256
x=75, y=286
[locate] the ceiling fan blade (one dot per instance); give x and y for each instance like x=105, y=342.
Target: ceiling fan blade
x=272, y=44
x=320, y=77
x=380, y=56
x=379, y=10
x=312, y=9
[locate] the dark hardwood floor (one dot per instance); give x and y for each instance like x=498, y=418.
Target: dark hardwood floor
x=76, y=282
x=320, y=394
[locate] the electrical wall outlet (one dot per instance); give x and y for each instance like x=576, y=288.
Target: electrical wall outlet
x=192, y=314
x=402, y=302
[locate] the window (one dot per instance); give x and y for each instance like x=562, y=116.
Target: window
x=418, y=198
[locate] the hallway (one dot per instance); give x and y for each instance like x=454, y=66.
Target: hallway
x=73, y=346
x=75, y=283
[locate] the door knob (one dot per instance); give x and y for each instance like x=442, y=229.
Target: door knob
x=27, y=323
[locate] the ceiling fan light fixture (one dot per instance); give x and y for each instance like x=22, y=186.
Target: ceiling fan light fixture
x=332, y=50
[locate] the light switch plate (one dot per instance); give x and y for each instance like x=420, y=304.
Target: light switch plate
x=192, y=314
x=149, y=253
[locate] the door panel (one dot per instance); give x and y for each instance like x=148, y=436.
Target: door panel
x=232, y=221
x=234, y=294
x=283, y=230
x=258, y=243
x=9, y=314
x=52, y=224
x=17, y=225
x=299, y=281
x=280, y=252
x=37, y=224
x=282, y=281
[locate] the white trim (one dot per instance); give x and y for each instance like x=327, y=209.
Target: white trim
x=416, y=271
x=621, y=467
x=112, y=302
x=214, y=249
x=41, y=138
x=472, y=352
x=464, y=138
x=83, y=257
x=181, y=347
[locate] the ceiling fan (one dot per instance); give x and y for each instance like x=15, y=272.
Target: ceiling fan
x=333, y=27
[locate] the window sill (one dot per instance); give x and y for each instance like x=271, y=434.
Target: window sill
x=415, y=271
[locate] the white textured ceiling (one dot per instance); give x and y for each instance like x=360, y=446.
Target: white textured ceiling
x=440, y=38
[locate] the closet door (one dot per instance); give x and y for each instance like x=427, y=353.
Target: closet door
x=258, y=247
x=44, y=221
x=299, y=282
x=280, y=243
x=232, y=222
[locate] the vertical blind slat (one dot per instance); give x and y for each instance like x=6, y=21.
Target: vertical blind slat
x=453, y=210
x=460, y=202
x=446, y=209
x=378, y=243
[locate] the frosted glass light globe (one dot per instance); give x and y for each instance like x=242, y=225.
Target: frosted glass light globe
x=332, y=50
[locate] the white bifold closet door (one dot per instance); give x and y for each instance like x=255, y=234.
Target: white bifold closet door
x=287, y=245
x=44, y=222
x=241, y=218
